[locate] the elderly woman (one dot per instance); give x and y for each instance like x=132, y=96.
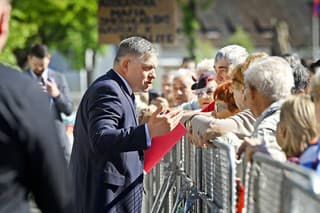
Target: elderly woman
x=204, y=89
x=205, y=127
x=267, y=82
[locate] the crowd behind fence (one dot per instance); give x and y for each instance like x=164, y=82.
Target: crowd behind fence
x=192, y=179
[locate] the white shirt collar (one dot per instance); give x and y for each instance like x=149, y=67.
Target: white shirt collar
x=125, y=82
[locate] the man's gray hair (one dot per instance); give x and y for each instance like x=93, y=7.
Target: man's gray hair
x=205, y=64
x=135, y=46
x=271, y=77
x=301, y=77
x=233, y=54
x=300, y=73
x=185, y=75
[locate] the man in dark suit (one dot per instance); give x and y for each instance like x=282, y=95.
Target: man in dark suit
x=107, y=155
x=54, y=84
x=30, y=159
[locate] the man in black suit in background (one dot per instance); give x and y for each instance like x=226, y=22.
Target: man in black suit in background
x=55, y=86
x=30, y=158
x=107, y=154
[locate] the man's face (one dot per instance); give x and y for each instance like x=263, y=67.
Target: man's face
x=141, y=72
x=38, y=65
x=221, y=68
x=181, y=91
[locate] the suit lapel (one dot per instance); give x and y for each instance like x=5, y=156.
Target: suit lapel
x=125, y=91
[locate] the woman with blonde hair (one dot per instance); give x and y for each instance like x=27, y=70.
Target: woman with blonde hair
x=297, y=128
x=311, y=156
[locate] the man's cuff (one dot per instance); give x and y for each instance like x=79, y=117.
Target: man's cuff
x=148, y=139
x=57, y=98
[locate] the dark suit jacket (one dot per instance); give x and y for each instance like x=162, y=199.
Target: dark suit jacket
x=59, y=105
x=106, y=159
x=30, y=158
x=63, y=103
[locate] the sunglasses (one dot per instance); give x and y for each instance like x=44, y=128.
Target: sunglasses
x=205, y=91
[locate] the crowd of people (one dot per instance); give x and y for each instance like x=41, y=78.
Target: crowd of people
x=256, y=102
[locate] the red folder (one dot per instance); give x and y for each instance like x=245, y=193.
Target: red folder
x=161, y=145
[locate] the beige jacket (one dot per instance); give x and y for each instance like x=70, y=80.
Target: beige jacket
x=241, y=124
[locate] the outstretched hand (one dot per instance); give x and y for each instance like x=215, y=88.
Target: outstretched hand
x=213, y=132
x=163, y=121
x=249, y=147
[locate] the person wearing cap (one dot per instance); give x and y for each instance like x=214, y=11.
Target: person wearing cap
x=204, y=89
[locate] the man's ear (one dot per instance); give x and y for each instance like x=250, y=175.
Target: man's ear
x=124, y=64
x=252, y=92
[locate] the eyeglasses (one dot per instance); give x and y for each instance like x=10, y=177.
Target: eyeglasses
x=205, y=91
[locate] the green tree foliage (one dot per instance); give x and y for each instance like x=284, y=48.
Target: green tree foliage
x=242, y=38
x=69, y=26
x=205, y=49
x=190, y=23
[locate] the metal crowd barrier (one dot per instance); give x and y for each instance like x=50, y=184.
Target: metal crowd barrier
x=272, y=186
x=302, y=195
x=219, y=174
x=191, y=179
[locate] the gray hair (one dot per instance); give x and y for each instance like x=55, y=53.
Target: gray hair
x=301, y=77
x=185, y=75
x=233, y=54
x=271, y=77
x=135, y=46
x=300, y=73
x=205, y=64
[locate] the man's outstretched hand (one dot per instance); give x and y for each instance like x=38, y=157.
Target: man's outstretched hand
x=163, y=121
